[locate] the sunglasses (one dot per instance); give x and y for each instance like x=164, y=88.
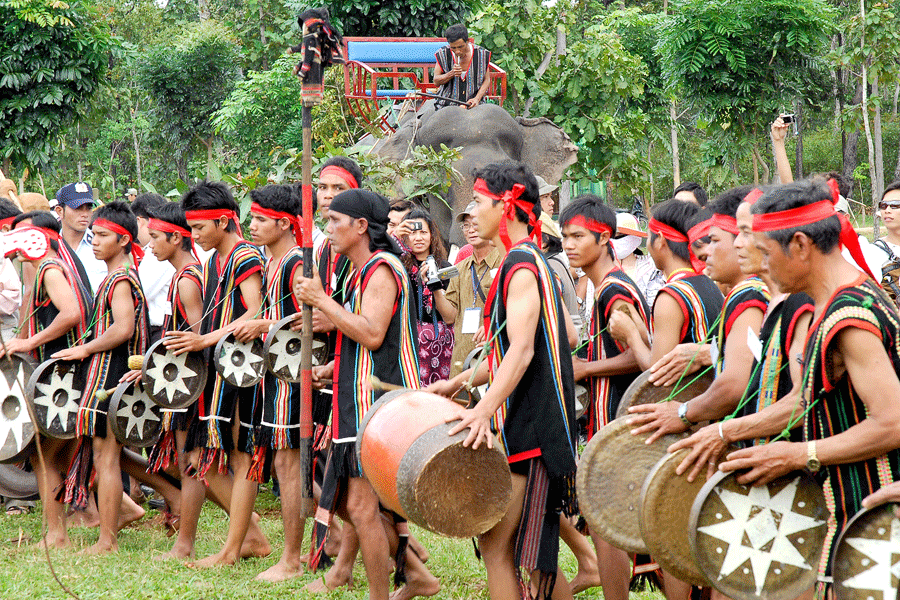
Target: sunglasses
x=889, y=205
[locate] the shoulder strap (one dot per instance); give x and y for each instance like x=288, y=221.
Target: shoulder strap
x=884, y=246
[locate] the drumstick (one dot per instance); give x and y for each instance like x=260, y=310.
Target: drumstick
x=12, y=195
x=389, y=387
x=136, y=362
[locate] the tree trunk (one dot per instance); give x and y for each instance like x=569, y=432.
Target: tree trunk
x=865, y=109
x=203, y=9
x=137, y=152
x=879, y=151
x=676, y=155
x=650, y=171
x=851, y=141
x=835, y=84
x=798, y=155
x=209, y=155
x=755, y=160
x=896, y=97
x=897, y=168
x=262, y=38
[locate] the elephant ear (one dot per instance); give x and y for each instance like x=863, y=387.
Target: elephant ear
x=547, y=149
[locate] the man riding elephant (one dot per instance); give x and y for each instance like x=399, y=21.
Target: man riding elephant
x=461, y=70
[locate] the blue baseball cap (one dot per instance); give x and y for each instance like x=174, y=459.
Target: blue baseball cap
x=76, y=194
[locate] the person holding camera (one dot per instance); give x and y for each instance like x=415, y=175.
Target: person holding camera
x=426, y=256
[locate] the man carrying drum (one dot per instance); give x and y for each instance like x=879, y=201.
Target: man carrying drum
x=531, y=381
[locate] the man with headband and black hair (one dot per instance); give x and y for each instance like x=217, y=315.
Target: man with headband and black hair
x=119, y=328
x=531, y=381
x=218, y=440
x=849, y=399
x=729, y=352
x=686, y=308
x=376, y=337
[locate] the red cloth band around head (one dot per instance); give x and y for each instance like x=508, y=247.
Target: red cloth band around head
x=670, y=233
x=294, y=220
x=7, y=221
x=835, y=190
x=813, y=213
x=725, y=223
x=754, y=195
x=166, y=227
x=590, y=224
x=344, y=174
x=699, y=231
x=214, y=214
x=511, y=201
x=136, y=250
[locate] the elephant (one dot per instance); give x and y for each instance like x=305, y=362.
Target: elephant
x=485, y=134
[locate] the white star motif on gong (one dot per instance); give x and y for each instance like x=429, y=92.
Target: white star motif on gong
x=7, y=427
x=126, y=409
x=66, y=383
x=769, y=526
x=170, y=388
x=886, y=567
x=242, y=372
x=282, y=356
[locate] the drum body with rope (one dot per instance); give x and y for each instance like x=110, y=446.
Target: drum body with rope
x=281, y=351
x=865, y=561
x=240, y=364
x=54, y=392
x=133, y=417
x=759, y=542
x=16, y=428
x=611, y=473
x=641, y=391
x=426, y=475
x=172, y=381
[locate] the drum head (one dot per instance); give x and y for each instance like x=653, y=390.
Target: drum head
x=611, y=473
x=16, y=483
x=173, y=381
x=666, y=501
x=283, y=348
x=54, y=392
x=641, y=391
x=867, y=556
x=239, y=364
x=133, y=417
x=759, y=541
x=16, y=428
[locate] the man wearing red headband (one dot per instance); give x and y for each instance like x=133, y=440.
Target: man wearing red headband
x=119, y=328
x=219, y=439
x=729, y=352
x=686, y=307
x=531, y=381
x=849, y=400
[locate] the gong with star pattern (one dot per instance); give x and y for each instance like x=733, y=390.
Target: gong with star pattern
x=763, y=541
x=866, y=562
x=281, y=351
x=133, y=417
x=172, y=381
x=54, y=391
x=16, y=428
x=240, y=364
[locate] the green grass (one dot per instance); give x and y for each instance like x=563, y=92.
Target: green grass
x=132, y=574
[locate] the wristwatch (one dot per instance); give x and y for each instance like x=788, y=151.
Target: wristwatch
x=682, y=414
x=812, y=461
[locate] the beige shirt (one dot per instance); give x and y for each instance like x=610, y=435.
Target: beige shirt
x=461, y=294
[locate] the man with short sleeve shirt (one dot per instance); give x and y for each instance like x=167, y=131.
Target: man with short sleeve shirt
x=75, y=203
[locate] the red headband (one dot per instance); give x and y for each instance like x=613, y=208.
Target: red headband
x=673, y=235
x=214, y=214
x=344, y=174
x=813, y=213
x=511, y=201
x=725, y=223
x=294, y=220
x=136, y=250
x=754, y=195
x=699, y=231
x=7, y=221
x=590, y=224
x=166, y=227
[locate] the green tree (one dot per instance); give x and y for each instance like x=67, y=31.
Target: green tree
x=404, y=18
x=52, y=58
x=188, y=82
x=737, y=68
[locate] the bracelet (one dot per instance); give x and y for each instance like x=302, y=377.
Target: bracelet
x=721, y=433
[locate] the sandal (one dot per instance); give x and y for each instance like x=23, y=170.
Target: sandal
x=16, y=510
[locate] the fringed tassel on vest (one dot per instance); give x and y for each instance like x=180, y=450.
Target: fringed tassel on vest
x=207, y=457
x=317, y=558
x=258, y=468
x=402, y=527
x=75, y=488
x=163, y=454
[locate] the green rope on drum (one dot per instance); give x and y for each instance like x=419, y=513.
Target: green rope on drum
x=588, y=341
x=677, y=390
x=745, y=397
x=792, y=421
x=482, y=356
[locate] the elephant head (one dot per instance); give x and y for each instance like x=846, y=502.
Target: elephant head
x=485, y=134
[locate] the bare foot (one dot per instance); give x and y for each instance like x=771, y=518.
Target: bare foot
x=81, y=518
x=416, y=546
x=54, y=543
x=280, y=571
x=98, y=549
x=331, y=580
x=416, y=587
x=216, y=560
x=130, y=513
x=585, y=579
x=255, y=543
x=176, y=553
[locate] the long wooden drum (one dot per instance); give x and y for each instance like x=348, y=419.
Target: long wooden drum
x=427, y=476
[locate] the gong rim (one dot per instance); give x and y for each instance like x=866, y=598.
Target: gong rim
x=271, y=358
x=787, y=586
x=197, y=364
x=16, y=401
x=17, y=483
x=666, y=501
x=227, y=372
x=641, y=391
x=122, y=433
x=609, y=491
x=49, y=366
x=477, y=392
x=847, y=555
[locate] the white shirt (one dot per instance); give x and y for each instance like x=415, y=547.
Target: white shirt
x=318, y=239
x=95, y=268
x=156, y=278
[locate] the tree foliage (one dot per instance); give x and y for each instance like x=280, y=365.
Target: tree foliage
x=52, y=58
x=403, y=18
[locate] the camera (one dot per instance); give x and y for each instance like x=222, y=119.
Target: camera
x=415, y=225
x=437, y=277
x=789, y=118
